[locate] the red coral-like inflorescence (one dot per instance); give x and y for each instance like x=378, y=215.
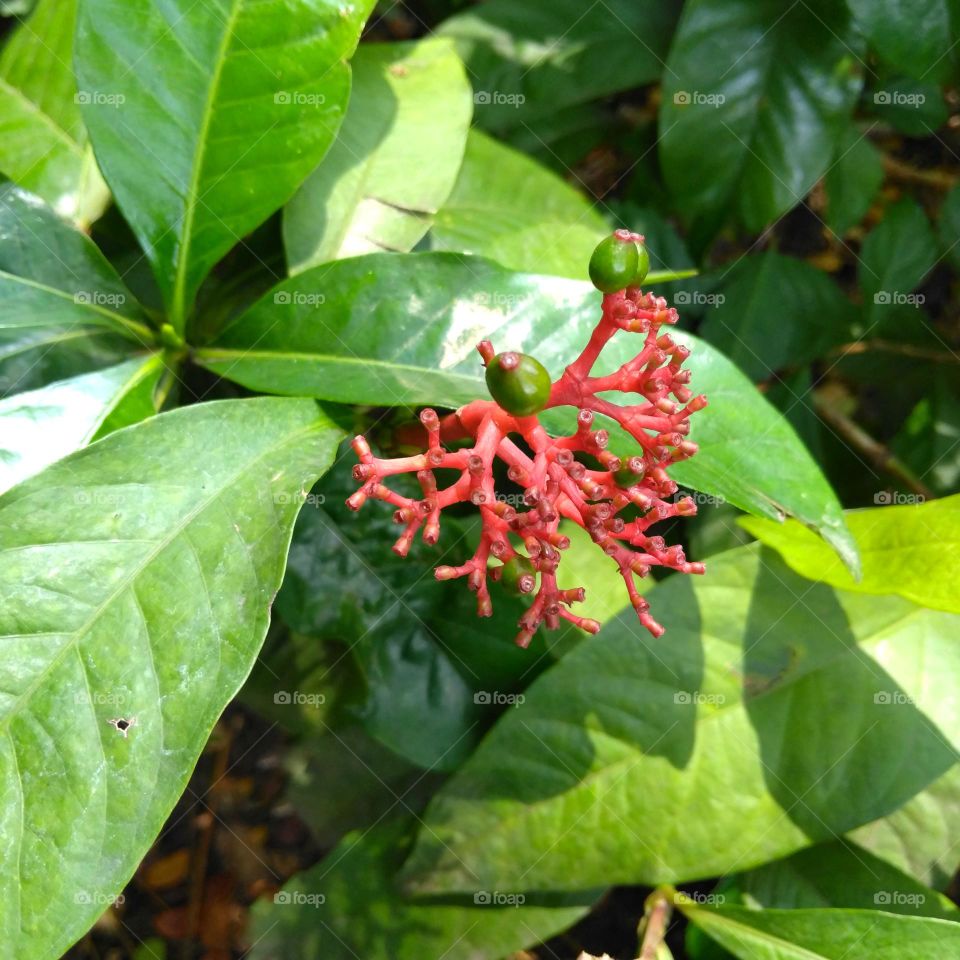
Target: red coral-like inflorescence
x=556, y=484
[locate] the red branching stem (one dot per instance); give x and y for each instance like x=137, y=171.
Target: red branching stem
x=558, y=477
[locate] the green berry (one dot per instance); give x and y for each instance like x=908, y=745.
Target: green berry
x=630, y=474
x=643, y=266
x=519, y=575
x=614, y=264
x=519, y=383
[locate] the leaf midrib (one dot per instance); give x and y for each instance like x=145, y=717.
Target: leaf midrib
x=178, y=307
x=137, y=569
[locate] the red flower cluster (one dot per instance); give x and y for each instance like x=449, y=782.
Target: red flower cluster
x=556, y=483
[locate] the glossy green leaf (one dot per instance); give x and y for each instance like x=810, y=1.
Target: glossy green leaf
x=853, y=181
x=223, y=108
x=770, y=89
x=777, y=311
x=137, y=577
x=43, y=143
x=529, y=61
x=905, y=548
x=41, y=426
x=920, y=837
x=395, y=159
x=916, y=37
x=345, y=332
x=895, y=257
x=949, y=226
x=510, y=208
x=348, y=906
x=825, y=934
x=840, y=874
x=56, y=287
x=774, y=713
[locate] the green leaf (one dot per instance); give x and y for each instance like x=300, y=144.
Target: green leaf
x=510, y=208
x=912, y=550
x=895, y=257
x=824, y=934
x=920, y=837
x=402, y=329
x=68, y=415
x=43, y=143
x=137, y=578
x=910, y=106
x=777, y=311
x=840, y=874
x=770, y=89
x=223, y=108
x=929, y=441
x=804, y=709
x=54, y=283
x=949, y=226
x=347, y=906
x=530, y=61
x=915, y=37
x=853, y=181
x=395, y=159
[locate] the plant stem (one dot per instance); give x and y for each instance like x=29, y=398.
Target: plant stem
x=879, y=455
x=903, y=349
x=655, y=922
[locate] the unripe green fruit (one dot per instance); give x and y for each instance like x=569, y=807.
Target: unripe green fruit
x=619, y=262
x=630, y=474
x=516, y=569
x=519, y=383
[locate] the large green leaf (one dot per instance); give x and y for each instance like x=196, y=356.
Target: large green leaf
x=391, y=329
x=920, y=837
x=63, y=309
x=840, y=874
x=529, y=60
x=770, y=89
x=43, y=143
x=348, y=906
x=825, y=934
x=911, y=549
x=777, y=311
x=395, y=159
x=206, y=117
x=67, y=415
x=510, y=208
x=137, y=577
x=915, y=36
x=776, y=713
